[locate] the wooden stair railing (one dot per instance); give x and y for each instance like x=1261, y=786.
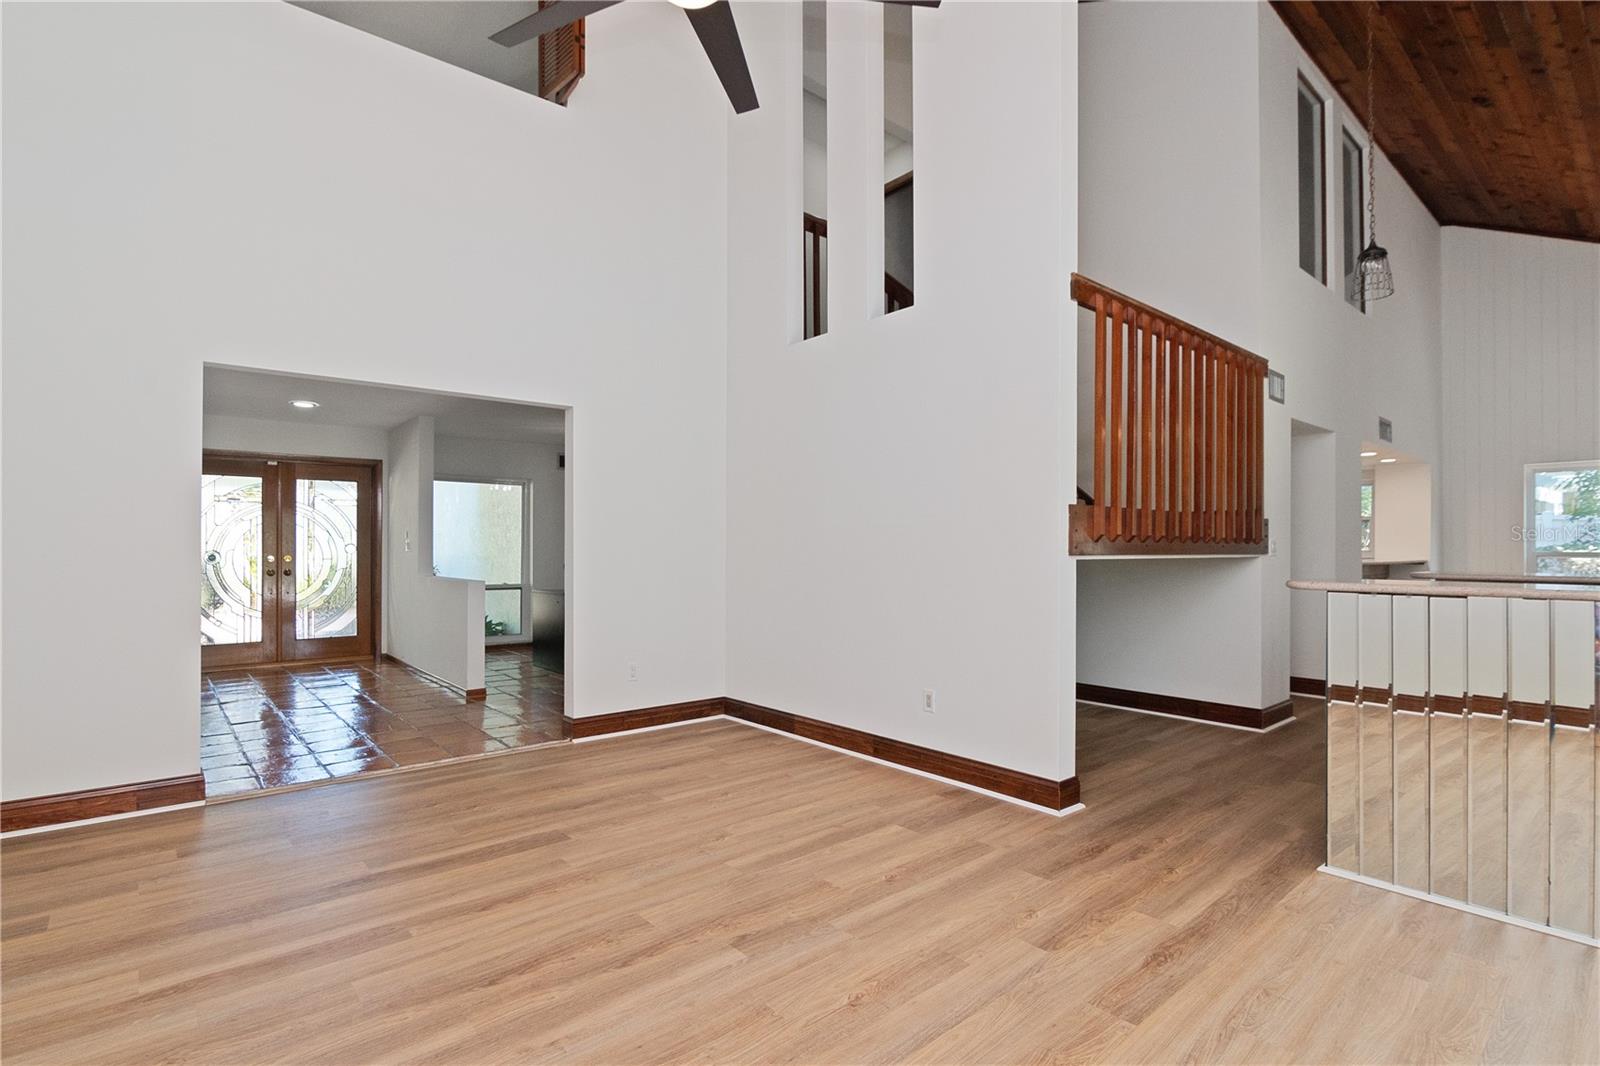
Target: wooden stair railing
x=896, y=295
x=815, y=252
x=1178, y=456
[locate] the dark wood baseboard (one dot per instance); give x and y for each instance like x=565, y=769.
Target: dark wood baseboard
x=477, y=695
x=469, y=693
x=1056, y=795
x=1183, y=707
x=99, y=802
x=1308, y=686
x=599, y=725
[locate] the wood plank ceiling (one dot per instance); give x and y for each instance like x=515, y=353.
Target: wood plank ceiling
x=1490, y=110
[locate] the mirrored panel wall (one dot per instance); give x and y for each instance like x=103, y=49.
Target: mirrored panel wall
x=1462, y=755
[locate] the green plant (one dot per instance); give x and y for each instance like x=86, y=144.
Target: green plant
x=491, y=628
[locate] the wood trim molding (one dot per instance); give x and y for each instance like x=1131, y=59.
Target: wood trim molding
x=1342, y=693
x=598, y=725
x=1042, y=791
x=1525, y=711
x=477, y=695
x=1491, y=705
x=1404, y=701
x=1373, y=694
x=1579, y=717
x=1308, y=686
x=1183, y=707
x=98, y=802
x=1449, y=704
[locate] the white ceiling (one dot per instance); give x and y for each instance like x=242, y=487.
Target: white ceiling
x=253, y=394
x=455, y=31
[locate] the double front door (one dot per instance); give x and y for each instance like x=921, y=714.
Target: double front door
x=288, y=569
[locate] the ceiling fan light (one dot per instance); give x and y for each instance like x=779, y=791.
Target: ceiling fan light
x=1374, y=279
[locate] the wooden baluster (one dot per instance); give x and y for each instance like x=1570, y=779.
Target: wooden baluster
x=1174, y=380
x=1114, y=493
x=1188, y=437
x=1236, y=448
x=1148, y=420
x=1261, y=452
x=1230, y=442
x=1162, y=422
x=1210, y=496
x=1098, y=514
x=1135, y=354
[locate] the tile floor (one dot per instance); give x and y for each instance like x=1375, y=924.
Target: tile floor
x=266, y=727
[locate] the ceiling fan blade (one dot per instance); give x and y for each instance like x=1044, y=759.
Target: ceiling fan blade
x=720, y=38
x=557, y=15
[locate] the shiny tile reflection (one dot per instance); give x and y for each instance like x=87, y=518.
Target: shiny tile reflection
x=277, y=726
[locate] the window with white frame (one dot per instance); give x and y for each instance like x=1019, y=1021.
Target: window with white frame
x=1310, y=118
x=1366, y=515
x=1352, y=205
x=480, y=532
x=1561, y=532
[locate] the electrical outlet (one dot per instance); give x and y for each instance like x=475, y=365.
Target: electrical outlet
x=633, y=671
x=928, y=701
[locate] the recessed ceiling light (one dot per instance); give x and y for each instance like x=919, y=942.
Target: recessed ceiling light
x=1388, y=460
x=304, y=405
x=1368, y=455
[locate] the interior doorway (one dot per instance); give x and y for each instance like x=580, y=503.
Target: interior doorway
x=288, y=560
x=383, y=578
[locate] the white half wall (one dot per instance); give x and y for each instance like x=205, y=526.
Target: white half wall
x=898, y=487
x=1521, y=381
x=255, y=185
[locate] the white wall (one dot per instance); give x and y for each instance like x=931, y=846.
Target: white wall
x=271, y=436
x=537, y=464
x=432, y=623
x=255, y=185
x=1521, y=381
x=1313, y=524
x=1214, y=241
x=1402, y=513
x=897, y=487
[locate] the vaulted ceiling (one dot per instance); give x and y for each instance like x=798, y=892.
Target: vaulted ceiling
x=1490, y=110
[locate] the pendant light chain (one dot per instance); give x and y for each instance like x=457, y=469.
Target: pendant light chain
x=1372, y=133
x=1374, y=279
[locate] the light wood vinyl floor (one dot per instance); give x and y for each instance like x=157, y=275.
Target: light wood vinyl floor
x=715, y=893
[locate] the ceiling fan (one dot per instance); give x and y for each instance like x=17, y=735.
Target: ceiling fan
x=712, y=21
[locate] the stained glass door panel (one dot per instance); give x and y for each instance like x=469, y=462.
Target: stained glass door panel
x=328, y=575
x=237, y=563
x=327, y=552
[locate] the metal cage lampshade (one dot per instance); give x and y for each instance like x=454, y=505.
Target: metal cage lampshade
x=1374, y=279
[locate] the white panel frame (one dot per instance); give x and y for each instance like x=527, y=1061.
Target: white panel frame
x=1410, y=656
x=1486, y=646
x=1447, y=646
x=1343, y=635
x=1528, y=637
x=1375, y=641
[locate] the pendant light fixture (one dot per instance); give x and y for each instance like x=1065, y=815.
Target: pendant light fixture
x=1373, y=279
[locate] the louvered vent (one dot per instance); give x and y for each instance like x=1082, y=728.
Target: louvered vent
x=560, y=60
